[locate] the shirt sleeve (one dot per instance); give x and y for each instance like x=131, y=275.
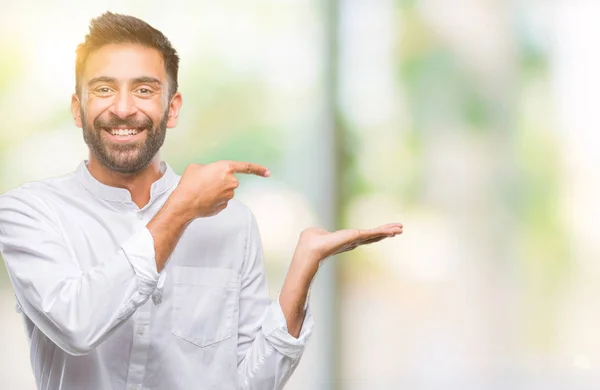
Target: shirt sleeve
x=77, y=310
x=267, y=353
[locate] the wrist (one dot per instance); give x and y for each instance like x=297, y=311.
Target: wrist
x=179, y=209
x=303, y=268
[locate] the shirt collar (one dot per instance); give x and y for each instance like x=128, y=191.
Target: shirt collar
x=167, y=180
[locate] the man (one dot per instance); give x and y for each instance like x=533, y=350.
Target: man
x=131, y=277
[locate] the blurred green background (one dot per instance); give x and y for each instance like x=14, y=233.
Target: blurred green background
x=469, y=121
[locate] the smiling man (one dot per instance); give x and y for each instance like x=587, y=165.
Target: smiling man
x=129, y=276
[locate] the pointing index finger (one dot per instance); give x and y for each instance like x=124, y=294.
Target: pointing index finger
x=249, y=168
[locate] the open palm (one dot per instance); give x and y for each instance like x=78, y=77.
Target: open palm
x=322, y=243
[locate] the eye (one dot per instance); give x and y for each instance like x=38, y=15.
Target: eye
x=144, y=91
x=103, y=91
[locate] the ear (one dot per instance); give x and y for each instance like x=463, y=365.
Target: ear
x=174, y=107
x=76, y=110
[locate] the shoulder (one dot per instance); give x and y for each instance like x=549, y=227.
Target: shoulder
x=236, y=222
x=237, y=216
x=34, y=196
x=239, y=211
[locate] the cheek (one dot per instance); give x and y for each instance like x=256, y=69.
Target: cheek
x=95, y=107
x=152, y=109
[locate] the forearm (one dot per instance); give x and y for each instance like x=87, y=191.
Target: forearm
x=76, y=308
x=79, y=310
x=267, y=352
x=166, y=228
x=82, y=312
x=294, y=293
x=263, y=368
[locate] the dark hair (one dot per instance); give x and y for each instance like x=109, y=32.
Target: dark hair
x=111, y=28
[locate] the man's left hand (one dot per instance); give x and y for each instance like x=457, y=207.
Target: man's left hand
x=316, y=244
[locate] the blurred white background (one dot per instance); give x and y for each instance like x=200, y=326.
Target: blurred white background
x=473, y=122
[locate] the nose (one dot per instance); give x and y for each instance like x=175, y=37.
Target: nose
x=123, y=106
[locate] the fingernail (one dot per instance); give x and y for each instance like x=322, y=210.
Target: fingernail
x=267, y=173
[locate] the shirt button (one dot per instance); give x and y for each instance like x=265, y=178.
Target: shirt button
x=134, y=387
x=141, y=330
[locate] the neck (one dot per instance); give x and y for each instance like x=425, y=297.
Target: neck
x=138, y=184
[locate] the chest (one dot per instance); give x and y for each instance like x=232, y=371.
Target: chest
x=94, y=236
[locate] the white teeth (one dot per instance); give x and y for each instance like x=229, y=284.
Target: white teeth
x=124, y=132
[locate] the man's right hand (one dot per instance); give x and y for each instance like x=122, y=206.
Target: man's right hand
x=205, y=190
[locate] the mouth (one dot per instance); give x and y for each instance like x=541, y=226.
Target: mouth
x=124, y=134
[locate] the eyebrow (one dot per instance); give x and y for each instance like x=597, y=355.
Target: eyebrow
x=112, y=80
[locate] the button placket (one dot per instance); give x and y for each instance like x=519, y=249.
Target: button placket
x=140, y=347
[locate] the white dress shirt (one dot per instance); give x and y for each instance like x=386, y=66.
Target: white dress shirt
x=97, y=314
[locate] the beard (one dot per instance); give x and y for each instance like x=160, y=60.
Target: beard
x=126, y=158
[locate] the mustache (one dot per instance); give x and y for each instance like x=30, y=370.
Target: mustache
x=134, y=123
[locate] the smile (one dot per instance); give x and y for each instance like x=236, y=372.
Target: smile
x=124, y=132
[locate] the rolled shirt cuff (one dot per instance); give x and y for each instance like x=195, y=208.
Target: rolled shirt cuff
x=139, y=250
x=276, y=332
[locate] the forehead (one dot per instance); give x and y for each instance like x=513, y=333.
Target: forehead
x=125, y=62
